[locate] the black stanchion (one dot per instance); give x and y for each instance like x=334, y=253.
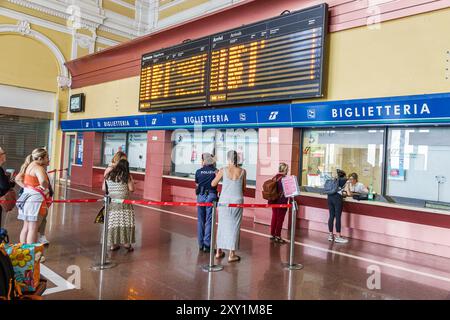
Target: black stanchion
x=104, y=264
x=211, y=267
x=291, y=265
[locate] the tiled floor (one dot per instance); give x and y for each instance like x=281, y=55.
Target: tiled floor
x=166, y=263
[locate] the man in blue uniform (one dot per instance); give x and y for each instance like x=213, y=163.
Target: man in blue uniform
x=205, y=193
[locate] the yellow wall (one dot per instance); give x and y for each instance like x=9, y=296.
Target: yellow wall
x=6, y=20
x=111, y=36
x=27, y=63
x=117, y=8
x=109, y=99
x=32, y=12
x=183, y=6
x=406, y=56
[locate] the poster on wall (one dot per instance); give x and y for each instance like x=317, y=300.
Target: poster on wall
x=137, y=150
x=396, y=173
x=79, y=149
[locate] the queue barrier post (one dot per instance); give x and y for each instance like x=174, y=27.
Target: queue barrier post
x=66, y=183
x=211, y=267
x=54, y=181
x=291, y=265
x=104, y=264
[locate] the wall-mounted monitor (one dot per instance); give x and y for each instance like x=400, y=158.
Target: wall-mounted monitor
x=76, y=103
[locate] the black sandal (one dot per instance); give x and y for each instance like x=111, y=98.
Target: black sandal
x=129, y=248
x=114, y=248
x=220, y=255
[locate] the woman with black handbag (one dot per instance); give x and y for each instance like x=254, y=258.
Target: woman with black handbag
x=121, y=222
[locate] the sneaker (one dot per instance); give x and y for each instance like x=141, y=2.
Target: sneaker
x=280, y=240
x=42, y=259
x=340, y=240
x=330, y=237
x=206, y=249
x=272, y=238
x=43, y=240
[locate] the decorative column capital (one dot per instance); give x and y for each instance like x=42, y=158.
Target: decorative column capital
x=64, y=82
x=23, y=27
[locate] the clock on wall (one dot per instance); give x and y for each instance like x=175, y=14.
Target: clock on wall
x=77, y=102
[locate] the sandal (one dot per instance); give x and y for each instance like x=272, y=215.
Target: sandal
x=221, y=255
x=234, y=259
x=114, y=248
x=129, y=248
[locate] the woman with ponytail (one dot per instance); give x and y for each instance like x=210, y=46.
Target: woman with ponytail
x=233, y=187
x=31, y=204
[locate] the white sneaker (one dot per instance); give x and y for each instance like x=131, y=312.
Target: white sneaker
x=340, y=240
x=330, y=237
x=43, y=240
x=42, y=259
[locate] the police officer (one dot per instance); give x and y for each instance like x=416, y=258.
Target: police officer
x=205, y=193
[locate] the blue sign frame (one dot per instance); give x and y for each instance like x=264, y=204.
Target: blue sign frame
x=430, y=108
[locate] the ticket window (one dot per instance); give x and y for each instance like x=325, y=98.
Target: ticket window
x=188, y=147
x=137, y=150
x=417, y=167
x=134, y=144
x=351, y=150
x=112, y=143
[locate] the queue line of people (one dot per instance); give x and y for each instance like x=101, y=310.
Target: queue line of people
x=118, y=182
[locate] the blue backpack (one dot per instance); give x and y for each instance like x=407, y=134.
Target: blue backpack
x=4, y=236
x=331, y=186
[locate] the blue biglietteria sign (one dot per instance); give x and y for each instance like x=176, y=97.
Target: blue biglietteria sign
x=430, y=108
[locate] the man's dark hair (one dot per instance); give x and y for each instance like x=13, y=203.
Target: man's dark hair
x=341, y=173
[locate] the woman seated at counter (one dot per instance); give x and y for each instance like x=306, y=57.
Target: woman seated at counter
x=353, y=187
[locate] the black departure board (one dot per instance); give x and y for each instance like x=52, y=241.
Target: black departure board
x=275, y=59
x=175, y=77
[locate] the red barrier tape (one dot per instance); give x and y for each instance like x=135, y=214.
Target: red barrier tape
x=255, y=205
x=56, y=201
x=76, y=200
x=165, y=203
x=201, y=204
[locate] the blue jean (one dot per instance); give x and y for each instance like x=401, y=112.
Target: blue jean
x=204, y=220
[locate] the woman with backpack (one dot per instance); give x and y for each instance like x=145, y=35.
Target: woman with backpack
x=335, y=203
x=278, y=214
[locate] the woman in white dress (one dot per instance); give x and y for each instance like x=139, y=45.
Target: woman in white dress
x=233, y=187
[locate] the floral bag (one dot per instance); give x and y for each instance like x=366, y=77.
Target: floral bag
x=26, y=259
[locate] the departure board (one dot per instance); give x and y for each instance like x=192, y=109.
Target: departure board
x=175, y=77
x=272, y=60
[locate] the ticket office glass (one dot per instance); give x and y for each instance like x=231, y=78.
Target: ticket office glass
x=188, y=146
x=407, y=165
x=134, y=144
